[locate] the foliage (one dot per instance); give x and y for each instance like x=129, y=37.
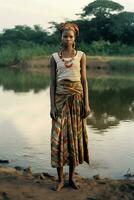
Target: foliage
x=101, y=8
x=109, y=32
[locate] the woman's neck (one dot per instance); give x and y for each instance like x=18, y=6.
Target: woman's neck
x=68, y=49
x=67, y=52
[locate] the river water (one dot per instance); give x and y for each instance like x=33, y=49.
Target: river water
x=25, y=124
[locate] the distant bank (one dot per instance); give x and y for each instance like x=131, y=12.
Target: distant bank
x=114, y=63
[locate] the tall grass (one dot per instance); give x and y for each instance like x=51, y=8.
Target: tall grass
x=105, y=48
x=7, y=56
x=10, y=55
x=26, y=54
x=23, y=51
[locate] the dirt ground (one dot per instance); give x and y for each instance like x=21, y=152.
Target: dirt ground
x=18, y=184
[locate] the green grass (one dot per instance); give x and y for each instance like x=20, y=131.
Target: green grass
x=10, y=55
x=7, y=56
x=118, y=56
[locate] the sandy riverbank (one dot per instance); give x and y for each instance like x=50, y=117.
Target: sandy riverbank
x=18, y=184
x=41, y=64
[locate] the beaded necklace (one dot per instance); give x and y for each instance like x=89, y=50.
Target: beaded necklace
x=69, y=62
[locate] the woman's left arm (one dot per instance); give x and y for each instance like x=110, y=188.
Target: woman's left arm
x=84, y=85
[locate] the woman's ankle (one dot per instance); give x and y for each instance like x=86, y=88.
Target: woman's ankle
x=61, y=181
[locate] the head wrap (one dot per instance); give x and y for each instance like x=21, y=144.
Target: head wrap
x=69, y=26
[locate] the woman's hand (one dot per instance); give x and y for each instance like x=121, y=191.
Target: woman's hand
x=87, y=111
x=53, y=113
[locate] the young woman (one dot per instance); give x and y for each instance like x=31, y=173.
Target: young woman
x=69, y=106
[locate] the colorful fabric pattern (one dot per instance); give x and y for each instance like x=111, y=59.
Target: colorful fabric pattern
x=69, y=140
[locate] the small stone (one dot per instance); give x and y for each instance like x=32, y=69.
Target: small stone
x=36, y=181
x=102, y=182
x=36, y=175
x=97, y=177
x=42, y=177
x=5, y=196
x=18, y=168
x=28, y=170
x=49, y=176
x=4, y=161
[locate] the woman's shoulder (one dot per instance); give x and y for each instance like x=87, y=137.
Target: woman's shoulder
x=55, y=56
x=80, y=53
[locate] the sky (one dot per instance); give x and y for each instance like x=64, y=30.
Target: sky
x=41, y=12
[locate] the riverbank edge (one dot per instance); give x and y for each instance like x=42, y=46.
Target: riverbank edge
x=17, y=183
x=93, y=62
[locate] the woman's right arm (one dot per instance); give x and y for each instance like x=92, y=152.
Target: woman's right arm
x=53, y=111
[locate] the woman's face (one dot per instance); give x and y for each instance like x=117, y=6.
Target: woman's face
x=67, y=38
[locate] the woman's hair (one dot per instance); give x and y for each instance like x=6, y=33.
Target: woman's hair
x=69, y=26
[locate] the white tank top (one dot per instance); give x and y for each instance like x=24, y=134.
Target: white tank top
x=72, y=73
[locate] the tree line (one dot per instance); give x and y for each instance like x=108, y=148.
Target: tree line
x=105, y=29
x=100, y=20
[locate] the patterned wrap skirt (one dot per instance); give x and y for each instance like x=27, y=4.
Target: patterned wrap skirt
x=69, y=140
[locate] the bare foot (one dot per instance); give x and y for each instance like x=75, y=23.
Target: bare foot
x=60, y=186
x=74, y=185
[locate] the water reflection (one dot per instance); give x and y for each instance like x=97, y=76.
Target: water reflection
x=25, y=128
x=112, y=100
x=27, y=111
x=21, y=81
x=111, y=95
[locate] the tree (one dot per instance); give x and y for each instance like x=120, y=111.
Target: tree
x=101, y=8
x=122, y=27
x=24, y=33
